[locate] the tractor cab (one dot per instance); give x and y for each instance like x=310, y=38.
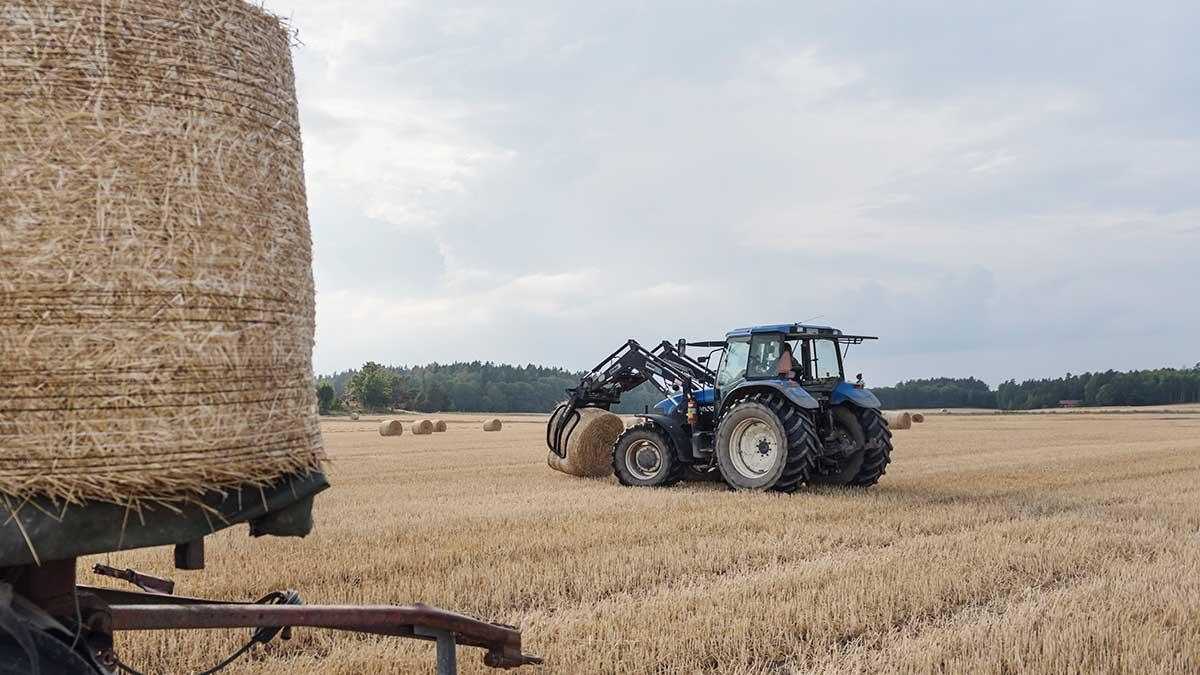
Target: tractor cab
x=753, y=357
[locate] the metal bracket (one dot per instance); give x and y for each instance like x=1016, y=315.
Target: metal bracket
x=447, y=649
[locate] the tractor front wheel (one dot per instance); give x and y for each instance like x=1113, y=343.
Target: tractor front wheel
x=643, y=456
x=765, y=443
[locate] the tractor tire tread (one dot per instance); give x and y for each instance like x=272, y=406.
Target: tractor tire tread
x=675, y=470
x=879, y=449
x=801, y=437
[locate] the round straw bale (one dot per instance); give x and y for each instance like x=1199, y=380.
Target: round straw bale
x=898, y=420
x=918, y=417
x=492, y=425
x=354, y=416
x=589, y=444
x=156, y=311
x=391, y=428
x=422, y=428
x=439, y=426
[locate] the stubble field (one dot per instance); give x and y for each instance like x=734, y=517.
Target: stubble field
x=1022, y=543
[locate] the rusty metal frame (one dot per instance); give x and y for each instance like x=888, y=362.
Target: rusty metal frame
x=503, y=643
x=106, y=611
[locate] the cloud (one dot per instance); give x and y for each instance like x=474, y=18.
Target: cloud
x=998, y=190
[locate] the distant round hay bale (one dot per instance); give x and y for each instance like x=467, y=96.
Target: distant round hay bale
x=354, y=416
x=422, y=428
x=492, y=425
x=439, y=426
x=945, y=411
x=156, y=287
x=918, y=417
x=589, y=444
x=391, y=428
x=898, y=420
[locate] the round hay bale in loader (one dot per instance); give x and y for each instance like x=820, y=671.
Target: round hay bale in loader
x=898, y=420
x=589, y=444
x=391, y=428
x=439, y=426
x=156, y=288
x=421, y=428
x=492, y=425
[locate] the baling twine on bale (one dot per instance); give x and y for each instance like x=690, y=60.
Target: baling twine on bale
x=156, y=292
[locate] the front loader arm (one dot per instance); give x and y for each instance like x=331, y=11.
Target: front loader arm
x=667, y=367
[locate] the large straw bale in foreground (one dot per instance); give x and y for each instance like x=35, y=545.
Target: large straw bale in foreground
x=898, y=420
x=391, y=428
x=492, y=425
x=156, y=295
x=589, y=445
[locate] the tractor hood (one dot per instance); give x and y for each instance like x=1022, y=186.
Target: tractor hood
x=668, y=406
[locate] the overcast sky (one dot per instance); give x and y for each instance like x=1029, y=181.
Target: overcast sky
x=998, y=189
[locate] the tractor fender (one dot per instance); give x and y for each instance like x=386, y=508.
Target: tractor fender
x=790, y=389
x=675, y=431
x=848, y=393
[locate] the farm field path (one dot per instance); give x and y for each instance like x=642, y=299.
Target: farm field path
x=995, y=543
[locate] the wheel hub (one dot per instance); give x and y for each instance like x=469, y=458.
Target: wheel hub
x=755, y=448
x=644, y=458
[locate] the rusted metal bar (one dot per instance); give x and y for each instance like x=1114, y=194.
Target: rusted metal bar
x=120, y=596
x=143, y=581
x=503, y=643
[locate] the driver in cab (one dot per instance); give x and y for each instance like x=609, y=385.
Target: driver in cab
x=787, y=366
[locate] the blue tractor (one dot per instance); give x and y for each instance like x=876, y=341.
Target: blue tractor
x=776, y=414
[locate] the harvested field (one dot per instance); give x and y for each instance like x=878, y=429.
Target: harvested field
x=995, y=543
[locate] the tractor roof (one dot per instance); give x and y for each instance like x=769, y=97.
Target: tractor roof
x=796, y=330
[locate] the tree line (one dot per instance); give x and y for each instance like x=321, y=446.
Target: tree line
x=1161, y=386
x=488, y=387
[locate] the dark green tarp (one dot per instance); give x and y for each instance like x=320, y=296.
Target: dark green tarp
x=58, y=533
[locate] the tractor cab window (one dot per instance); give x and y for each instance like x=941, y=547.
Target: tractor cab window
x=824, y=361
x=764, y=356
x=733, y=364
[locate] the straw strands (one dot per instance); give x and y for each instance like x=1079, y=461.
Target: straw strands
x=898, y=420
x=156, y=296
x=589, y=445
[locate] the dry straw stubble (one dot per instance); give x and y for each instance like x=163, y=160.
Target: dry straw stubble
x=589, y=445
x=156, y=296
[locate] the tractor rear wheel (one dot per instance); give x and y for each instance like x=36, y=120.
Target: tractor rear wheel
x=878, y=453
x=844, y=451
x=765, y=443
x=643, y=456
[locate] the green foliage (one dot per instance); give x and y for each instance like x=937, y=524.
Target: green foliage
x=488, y=387
x=941, y=392
x=372, y=386
x=1162, y=386
x=458, y=387
x=326, y=397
